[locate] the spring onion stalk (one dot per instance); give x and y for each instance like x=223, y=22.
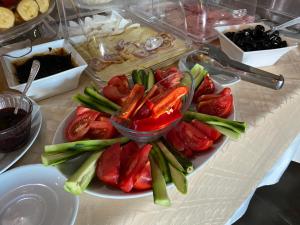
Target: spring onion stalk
x=51, y=159
x=79, y=181
x=85, y=145
x=161, y=162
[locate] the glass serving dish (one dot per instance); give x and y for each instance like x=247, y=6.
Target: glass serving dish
x=147, y=136
x=197, y=18
x=16, y=135
x=25, y=26
x=114, y=40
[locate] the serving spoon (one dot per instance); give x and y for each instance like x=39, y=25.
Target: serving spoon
x=33, y=72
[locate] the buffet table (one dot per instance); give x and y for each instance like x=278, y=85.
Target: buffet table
x=226, y=180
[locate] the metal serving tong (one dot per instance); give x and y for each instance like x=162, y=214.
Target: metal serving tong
x=216, y=60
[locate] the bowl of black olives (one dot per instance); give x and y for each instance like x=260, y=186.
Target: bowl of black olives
x=253, y=44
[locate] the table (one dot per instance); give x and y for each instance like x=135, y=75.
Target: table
x=225, y=181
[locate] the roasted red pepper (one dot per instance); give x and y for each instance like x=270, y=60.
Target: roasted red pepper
x=132, y=101
x=165, y=102
x=151, y=123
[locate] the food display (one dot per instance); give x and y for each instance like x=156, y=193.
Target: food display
x=14, y=12
x=257, y=38
x=148, y=101
x=115, y=45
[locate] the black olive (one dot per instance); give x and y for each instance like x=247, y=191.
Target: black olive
x=283, y=44
x=229, y=35
x=276, y=33
x=260, y=28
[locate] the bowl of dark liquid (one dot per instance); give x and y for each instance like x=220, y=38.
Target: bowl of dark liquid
x=14, y=128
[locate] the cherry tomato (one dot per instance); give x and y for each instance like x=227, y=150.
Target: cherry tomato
x=209, y=131
x=109, y=165
x=221, y=106
x=193, y=139
x=101, y=129
x=206, y=87
x=144, y=181
x=79, y=126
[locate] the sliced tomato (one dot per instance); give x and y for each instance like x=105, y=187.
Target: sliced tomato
x=187, y=153
x=144, y=180
x=206, y=87
x=136, y=165
x=175, y=140
x=82, y=109
x=101, y=129
x=79, y=126
x=209, y=131
x=121, y=82
x=113, y=93
x=225, y=91
x=169, y=77
x=109, y=165
x=193, y=139
x=221, y=106
x=129, y=151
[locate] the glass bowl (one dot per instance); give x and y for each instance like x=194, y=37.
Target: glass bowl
x=14, y=130
x=148, y=136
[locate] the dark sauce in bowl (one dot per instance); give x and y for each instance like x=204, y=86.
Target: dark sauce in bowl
x=14, y=129
x=56, y=61
x=9, y=119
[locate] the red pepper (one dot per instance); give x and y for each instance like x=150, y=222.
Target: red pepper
x=151, y=123
x=168, y=100
x=132, y=101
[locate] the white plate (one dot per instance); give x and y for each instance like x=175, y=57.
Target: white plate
x=8, y=159
x=99, y=189
x=34, y=195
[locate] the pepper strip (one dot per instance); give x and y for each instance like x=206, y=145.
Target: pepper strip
x=132, y=101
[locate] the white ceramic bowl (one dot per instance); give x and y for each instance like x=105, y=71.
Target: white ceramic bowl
x=51, y=85
x=253, y=58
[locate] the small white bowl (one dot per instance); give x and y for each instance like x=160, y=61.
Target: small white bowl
x=51, y=85
x=253, y=58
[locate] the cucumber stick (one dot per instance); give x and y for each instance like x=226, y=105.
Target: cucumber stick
x=198, y=73
x=51, y=159
x=185, y=163
x=169, y=156
x=179, y=179
x=136, y=78
x=101, y=99
x=228, y=132
x=161, y=162
x=144, y=77
x=79, y=181
x=159, y=187
x=151, y=80
x=89, y=102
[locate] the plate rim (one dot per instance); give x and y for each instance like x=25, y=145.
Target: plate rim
x=29, y=144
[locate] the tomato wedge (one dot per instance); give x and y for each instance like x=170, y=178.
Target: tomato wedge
x=109, y=165
x=80, y=125
x=206, y=87
x=117, y=89
x=175, y=140
x=82, y=109
x=121, y=82
x=101, y=129
x=169, y=77
x=225, y=91
x=134, y=168
x=144, y=180
x=193, y=139
x=221, y=106
x=209, y=131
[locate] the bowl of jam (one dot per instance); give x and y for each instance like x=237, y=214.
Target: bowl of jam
x=14, y=128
